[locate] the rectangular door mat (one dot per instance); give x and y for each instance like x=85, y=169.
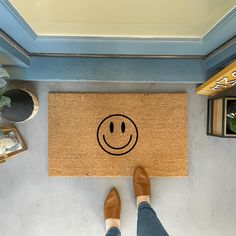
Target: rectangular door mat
x=111, y=134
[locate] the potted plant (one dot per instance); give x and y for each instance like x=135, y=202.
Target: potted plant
x=231, y=117
x=4, y=101
x=222, y=116
x=16, y=105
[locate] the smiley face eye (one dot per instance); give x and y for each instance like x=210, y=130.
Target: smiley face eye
x=123, y=127
x=111, y=127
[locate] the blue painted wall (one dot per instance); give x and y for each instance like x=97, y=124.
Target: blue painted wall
x=111, y=70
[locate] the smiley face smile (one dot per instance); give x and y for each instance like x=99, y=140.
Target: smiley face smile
x=117, y=134
x=117, y=147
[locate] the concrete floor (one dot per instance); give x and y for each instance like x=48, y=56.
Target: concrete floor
x=33, y=204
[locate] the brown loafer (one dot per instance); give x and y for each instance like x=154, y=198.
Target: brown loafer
x=141, y=181
x=112, y=205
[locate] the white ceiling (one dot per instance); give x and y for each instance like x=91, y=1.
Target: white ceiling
x=123, y=18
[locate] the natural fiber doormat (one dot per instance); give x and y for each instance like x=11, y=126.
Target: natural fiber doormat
x=111, y=134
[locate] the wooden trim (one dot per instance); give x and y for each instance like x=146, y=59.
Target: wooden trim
x=208, y=88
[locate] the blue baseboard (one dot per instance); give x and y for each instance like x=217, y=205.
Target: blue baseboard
x=111, y=70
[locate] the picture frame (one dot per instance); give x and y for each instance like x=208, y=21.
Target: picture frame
x=11, y=132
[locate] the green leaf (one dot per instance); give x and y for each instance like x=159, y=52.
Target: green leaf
x=3, y=84
x=5, y=101
x=3, y=72
x=1, y=134
x=232, y=125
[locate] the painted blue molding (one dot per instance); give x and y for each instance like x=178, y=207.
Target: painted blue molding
x=221, y=55
x=18, y=29
x=220, y=58
x=128, y=46
x=111, y=70
x=20, y=20
x=12, y=23
x=223, y=31
x=16, y=54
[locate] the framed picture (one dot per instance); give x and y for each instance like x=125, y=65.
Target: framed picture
x=11, y=143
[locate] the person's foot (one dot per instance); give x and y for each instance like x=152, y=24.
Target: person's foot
x=112, y=208
x=142, y=186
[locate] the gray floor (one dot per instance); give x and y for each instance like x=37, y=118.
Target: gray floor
x=33, y=204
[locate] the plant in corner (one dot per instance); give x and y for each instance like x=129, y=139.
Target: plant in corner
x=231, y=117
x=4, y=100
x=16, y=105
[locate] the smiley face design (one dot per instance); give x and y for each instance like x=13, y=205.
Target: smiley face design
x=117, y=134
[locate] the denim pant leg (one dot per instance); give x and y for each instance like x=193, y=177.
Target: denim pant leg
x=113, y=232
x=148, y=223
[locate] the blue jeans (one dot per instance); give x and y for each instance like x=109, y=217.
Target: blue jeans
x=148, y=223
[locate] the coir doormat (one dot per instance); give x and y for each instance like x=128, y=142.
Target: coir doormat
x=111, y=134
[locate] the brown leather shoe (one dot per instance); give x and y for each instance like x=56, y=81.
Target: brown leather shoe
x=142, y=186
x=112, y=205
